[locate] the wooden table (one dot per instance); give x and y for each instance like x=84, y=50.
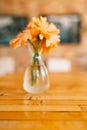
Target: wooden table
x=62, y=107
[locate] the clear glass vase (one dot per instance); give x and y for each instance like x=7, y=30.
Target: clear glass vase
x=36, y=75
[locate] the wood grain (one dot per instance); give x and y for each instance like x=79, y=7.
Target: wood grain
x=43, y=125
x=43, y=115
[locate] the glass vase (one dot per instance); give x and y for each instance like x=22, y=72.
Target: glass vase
x=36, y=78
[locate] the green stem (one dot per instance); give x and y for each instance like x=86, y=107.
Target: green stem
x=31, y=44
x=35, y=62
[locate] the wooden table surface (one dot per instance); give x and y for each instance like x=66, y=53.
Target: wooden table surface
x=62, y=107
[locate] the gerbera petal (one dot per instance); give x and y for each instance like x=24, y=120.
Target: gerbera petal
x=41, y=37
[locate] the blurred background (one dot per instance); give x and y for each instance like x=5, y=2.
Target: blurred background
x=69, y=16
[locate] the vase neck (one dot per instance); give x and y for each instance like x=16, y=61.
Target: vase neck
x=37, y=59
x=35, y=55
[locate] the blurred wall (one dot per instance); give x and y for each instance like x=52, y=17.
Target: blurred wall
x=38, y=7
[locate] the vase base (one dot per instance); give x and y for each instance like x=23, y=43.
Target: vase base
x=35, y=84
x=34, y=90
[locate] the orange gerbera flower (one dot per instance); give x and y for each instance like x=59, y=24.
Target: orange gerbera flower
x=40, y=32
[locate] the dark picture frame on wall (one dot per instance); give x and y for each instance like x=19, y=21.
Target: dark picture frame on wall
x=69, y=25
x=10, y=26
